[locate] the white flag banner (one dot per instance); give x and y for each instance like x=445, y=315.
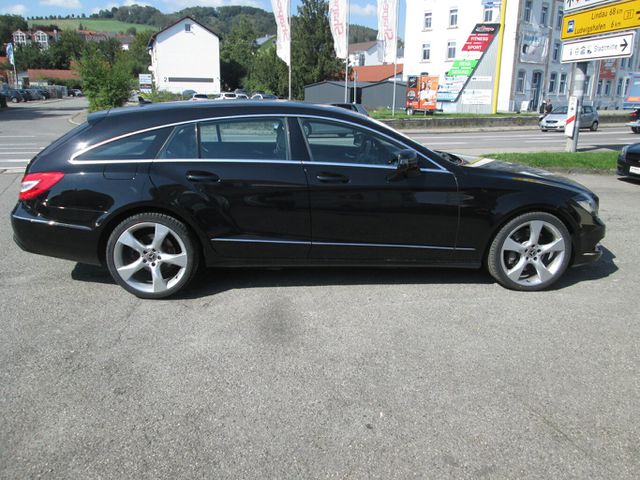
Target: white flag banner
x=283, y=21
x=338, y=22
x=387, y=34
x=10, y=54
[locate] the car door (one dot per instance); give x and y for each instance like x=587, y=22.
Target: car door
x=235, y=177
x=363, y=210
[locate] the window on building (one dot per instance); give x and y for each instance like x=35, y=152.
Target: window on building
x=428, y=17
x=20, y=38
x=426, y=52
x=528, y=7
x=187, y=27
x=451, y=50
x=619, y=87
x=521, y=80
x=587, y=85
x=599, y=88
x=607, y=88
x=488, y=15
x=623, y=63
x=557, y=48
x=453, y=17
x=626, y=87
x=544, y=15
x=562, y=88
x=553, y=79
x=559, y=17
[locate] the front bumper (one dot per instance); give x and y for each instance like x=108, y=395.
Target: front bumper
x=35, y=234
x=628, y=167
x=553, y=126
x=586, y=243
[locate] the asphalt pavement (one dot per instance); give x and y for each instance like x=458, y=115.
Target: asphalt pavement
x=345, y=373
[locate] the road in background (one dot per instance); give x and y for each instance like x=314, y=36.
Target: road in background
x=531, y=140
x=26, y=128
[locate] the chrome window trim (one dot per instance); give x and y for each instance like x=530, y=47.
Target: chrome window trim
x=72, y=159
x=338, y=244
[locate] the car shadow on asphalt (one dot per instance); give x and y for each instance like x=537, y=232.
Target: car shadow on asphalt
x=17, y=114
x=212, y=281
x=632, y=181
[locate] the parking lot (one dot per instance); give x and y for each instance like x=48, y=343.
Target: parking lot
x=345, y=373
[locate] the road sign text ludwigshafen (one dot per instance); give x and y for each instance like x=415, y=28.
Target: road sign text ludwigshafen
x=596, y=21
x=571, y=5
x=613, y=46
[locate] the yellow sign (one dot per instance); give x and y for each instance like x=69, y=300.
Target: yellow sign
x=610, y=18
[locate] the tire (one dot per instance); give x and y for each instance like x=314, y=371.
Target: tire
x=152, y=255
x=530, y=253
x=14, y=100
x=594, y=127
x=635, y=129
x=544, y=130
x=409, y=111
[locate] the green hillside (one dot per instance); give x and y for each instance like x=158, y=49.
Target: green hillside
x=99, y=25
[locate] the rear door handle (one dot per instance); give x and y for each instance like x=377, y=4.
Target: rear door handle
x=197, y=176
x=332, y=178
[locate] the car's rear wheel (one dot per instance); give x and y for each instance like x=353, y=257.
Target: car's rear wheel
x=151, y=255
x=531, y=252
x=635, y=129
x=594, y=126
x=409, y=111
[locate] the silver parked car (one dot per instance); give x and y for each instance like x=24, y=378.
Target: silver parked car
x=557, y=119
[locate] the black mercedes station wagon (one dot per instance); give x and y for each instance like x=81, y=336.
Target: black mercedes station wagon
x=154, y=193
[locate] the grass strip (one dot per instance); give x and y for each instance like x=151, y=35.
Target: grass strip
x=602, y=161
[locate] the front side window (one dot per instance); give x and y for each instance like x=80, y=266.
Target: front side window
x=141, y=146
x=244, y=138
x=453, y=17
x=331, y=142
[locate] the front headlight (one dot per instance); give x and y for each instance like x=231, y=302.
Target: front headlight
x=587, y=203
x=623, y=154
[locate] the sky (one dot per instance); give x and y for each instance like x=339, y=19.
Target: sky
x=363, y=12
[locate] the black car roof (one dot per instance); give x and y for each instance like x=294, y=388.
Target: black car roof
x=150, y=115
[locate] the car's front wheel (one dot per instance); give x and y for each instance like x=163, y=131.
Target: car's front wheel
x=151, y=255
x=635, y=129
x=594, y=127
x=531, y=252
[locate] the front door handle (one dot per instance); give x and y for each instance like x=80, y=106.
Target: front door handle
x=198, y=176
x=332, y=178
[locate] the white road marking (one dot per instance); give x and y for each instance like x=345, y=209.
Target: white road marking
x=13, y=153
x=15, y=160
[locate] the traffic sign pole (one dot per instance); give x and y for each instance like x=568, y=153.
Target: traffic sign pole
x=577, y=91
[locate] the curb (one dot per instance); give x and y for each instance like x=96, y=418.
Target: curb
x=80, y=115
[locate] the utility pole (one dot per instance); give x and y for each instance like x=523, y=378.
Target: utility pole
x=577, y=92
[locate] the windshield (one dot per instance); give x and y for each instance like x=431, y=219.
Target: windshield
x=560, y=110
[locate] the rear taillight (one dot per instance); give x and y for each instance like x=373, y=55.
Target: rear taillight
x=34, y=184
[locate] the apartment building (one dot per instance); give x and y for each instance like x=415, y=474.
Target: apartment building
x=436, y=31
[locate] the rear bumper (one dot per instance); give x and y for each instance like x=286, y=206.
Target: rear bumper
x=34, y=234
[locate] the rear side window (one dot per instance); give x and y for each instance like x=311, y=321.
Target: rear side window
x=182, y=143
x=141, y=146
x=246, y=138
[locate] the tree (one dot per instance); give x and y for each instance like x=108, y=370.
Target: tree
x=30, y=56
x=312, y=53
x=67, y=49
x=269, y=73
x=138, y=53
x=236, y=54
x=8, y=25
x=106, y=84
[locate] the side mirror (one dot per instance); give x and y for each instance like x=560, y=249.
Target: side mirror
x=407, y=160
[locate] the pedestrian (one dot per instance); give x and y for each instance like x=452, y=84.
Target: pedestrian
x=548, y=108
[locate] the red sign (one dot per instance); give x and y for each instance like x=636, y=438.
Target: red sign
x=480, y=38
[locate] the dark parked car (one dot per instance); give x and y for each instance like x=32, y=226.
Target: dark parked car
x=13, y=95
x=629, y=161
x=155, y=192
x=26, y=94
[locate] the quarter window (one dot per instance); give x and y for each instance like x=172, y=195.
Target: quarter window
x=141, y=146
x=339, y=143
x=246, y=138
